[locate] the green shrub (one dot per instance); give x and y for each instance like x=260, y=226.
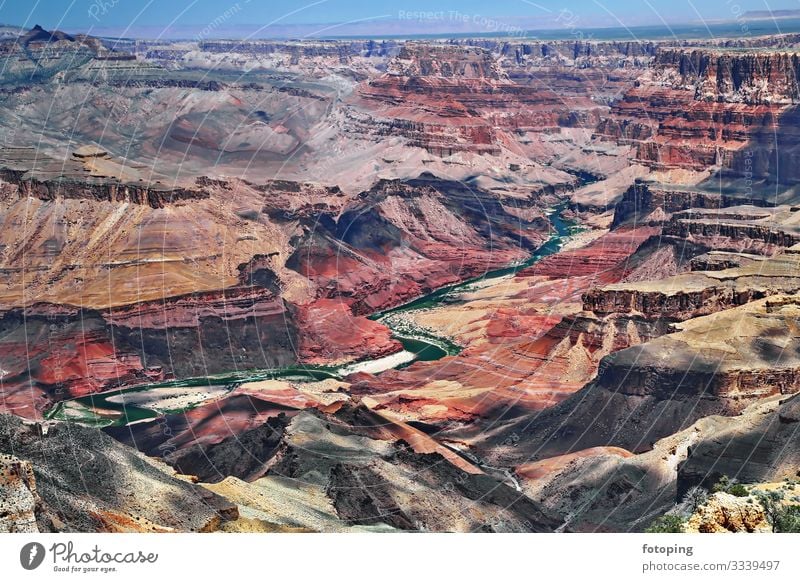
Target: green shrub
x=787, y=520
x=721, y=485
x=667, y=524
x=772, y=502
x=728, y=485
x=738, y=490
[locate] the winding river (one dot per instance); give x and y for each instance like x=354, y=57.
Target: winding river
x=143, y=403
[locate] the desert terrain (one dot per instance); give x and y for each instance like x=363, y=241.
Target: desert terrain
x=497, y=285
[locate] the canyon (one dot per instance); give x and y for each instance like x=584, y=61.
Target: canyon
x=425, y=285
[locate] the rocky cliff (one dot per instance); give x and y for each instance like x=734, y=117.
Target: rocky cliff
x=645, y=202
x=452, y=98
x=731, y=76
x=755, y=448
x=19, y=497
x=49, y=490
x=154, y=196
x=720, y=109
x=647, y=392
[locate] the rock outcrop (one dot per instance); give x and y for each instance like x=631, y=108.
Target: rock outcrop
x=449, y=99
x=725, y=513
x=731, y=76
x=18, y=496
x=688, y=295
x=648, y=203
x=718, y=109
x=751, y=449
x=646, y=392
x=78, y=473
x=154, y=196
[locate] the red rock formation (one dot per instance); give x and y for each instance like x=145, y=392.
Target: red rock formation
x=330, y=333
x=755, y=77
x=710, y=108
x=534, y=357
x=603, y=259
x=673, y=129
x=405, y=238
x=50, y=353
x=449, y=99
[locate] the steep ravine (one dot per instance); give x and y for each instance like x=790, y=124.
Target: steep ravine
x=119, y=407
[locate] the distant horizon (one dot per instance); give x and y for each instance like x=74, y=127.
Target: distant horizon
x=333, y=19
x=676, y=30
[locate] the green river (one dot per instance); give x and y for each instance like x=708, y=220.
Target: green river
x=125, y=406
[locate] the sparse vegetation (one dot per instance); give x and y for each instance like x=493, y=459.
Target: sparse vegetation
x=669, y=523
x=771, y=502
x=738, y=490
x=675, y=521
x=783, y=518
x=788, y=520
x=730, y=486
x=721, y=485
x=695, y=498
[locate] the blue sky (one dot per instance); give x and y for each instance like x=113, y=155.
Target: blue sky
x=135, y=15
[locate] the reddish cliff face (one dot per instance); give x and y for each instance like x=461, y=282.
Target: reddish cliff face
x=678, y=306
x=731, y=76
x=402, y=239
x=701, y=109
x=50, y=353
x=751, y=256
x=244, y=276
x=533, y=350
x=451, y=98
x=330, y=333
x=752, y=371
x=672, y=128
x=693, y=294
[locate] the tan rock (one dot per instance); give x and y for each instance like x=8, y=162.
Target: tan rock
x=18, y=496
x=727, y=513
